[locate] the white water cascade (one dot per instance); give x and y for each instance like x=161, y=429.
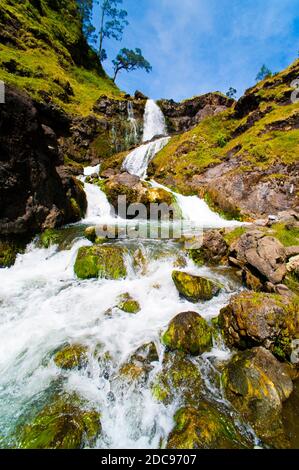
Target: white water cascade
x=137, y=161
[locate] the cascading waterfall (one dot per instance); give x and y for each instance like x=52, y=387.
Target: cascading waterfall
x=137, y=161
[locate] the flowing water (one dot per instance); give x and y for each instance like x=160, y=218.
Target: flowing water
x=133, y=123
x=43, y=306
x=137, y=161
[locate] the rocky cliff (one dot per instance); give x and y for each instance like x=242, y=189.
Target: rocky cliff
x=244, y=161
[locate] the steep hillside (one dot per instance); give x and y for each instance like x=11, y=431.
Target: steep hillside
x=245, y=160
x=43, y=51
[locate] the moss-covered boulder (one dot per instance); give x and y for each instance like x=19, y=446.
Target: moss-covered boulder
x=190, y=333
x=195, y=288
x=127, y=304
x=257, y=384
x=140, y=363
x=71, y=357
x=257, y=319
x=100, y=262
x=180, y=378
x=91, y=235
x=67, y=423
x=8, y=253
x=205, y=427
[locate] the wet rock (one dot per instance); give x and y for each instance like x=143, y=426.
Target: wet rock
x=100, y=261
x=72, y=357
x=257, y=319
x=188, y=332
x=205, y=427
x=213, y=251
x=8, y=252
x=263, y=256
x=64, y=424
x=140, y=363
x=127, y=304
x=136, y=192
x=257, y=384
x=195, y=288
x=179, y=378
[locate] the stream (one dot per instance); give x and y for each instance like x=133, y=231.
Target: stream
x=43, y=306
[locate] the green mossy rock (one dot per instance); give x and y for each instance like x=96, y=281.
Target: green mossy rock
x=64, y=424
x=91, y=235
x=100, y=262
x=257, y=384
x=179, y=378
x=188, y=332
x=71, y=357
x=205, y=427
x=195, y=288
x=50, y=237
x=128, y=304
x=8, y=253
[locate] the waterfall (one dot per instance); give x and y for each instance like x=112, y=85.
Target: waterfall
x=137, y=161
x=154, y=121
x=197, y=211
x=133, y=122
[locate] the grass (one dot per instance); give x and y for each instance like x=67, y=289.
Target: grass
x=50, y=56
x=287, y=235
x=269, y=140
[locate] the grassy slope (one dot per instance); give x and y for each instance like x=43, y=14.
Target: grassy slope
x=258, y=147
x=46, y=41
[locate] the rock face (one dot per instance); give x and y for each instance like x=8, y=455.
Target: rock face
x=64, y=424
x=263, y=256
x=195, y=288
x=183, y=116
x=188, y=332
x=33, y=196
x=204, y=427
x=100, y=261
x=137, y=192
x=256, y=319
x=257, y=384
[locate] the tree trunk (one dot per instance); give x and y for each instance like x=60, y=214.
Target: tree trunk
x=102, y=32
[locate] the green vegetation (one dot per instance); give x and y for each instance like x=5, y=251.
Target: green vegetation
x=43, y=51
x=264, y=137
x=287, y=235
x=71, y=357
x=129, y=60
x=100, y=261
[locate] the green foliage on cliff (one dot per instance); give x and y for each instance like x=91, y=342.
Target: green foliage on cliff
x=43, y=51
x=259, y=137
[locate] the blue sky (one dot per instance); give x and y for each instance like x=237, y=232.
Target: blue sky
x=197, y=46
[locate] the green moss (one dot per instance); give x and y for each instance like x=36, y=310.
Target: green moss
x=127, y=304
x=234, y=235
x=8, y=252
x=100, y=261
x=195, y=288
x=64, y=424
x=188, y=332
x=50, y=237
x=204, y=427
x=288, y=235
x=71, y=357
x=51, y=57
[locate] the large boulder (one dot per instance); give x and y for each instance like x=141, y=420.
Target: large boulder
x=205, y=427
x=262, y=255
x=257, y=319
x=64, y=424
x=100, y=261
x=130, y=191
x=179, y=379
x=195, y=288
x=188, y=332
x=213, y=251
x=257, y=384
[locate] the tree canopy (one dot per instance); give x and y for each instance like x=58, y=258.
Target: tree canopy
x=265, y=72
x=113, y=21
x=129, y=60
